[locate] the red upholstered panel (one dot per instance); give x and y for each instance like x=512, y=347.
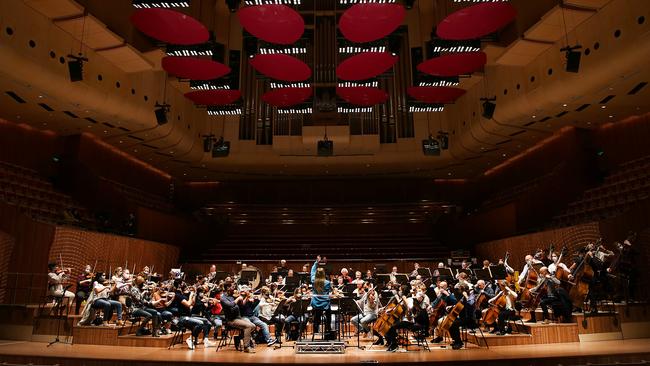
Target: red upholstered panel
x=281, y=67
x=365, y=65
x=454, y=64
x=194, y=68
x=170, y=26
x=272, y=23
x=286, y=97
x=476, y=21
x=369, y=22
x=213, y=97
x=435, y=95
x=363, y=96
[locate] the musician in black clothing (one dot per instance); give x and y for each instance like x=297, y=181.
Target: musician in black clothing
x=416, y=312
x=235, y=320
x=556, y=297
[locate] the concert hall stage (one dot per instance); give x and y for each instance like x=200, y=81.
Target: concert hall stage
x=576, y=353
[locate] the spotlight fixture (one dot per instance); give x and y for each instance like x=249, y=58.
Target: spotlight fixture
x=148, y=4
x=161, y=111
x=276, y=85
x=431, y=146
x=432, y=81
x=358, y=49
x=205, y=49
x=218, y=84
x=572, y=58
x=76, y=67
x=352, y=84
x=488, y=107
x=352, y=2
x=354, y=110
x=305, y=110
x=286, y=51
x=221, y=148
x=224, y=111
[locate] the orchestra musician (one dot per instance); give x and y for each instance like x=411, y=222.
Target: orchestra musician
x=414, y=273
x=357, y=278
x=508, y=311
x=84, y=285
x=247, y=304
x=344, y=275
x=267, y=307
x=100, y=299
x=181, y=307
x=393, y=275
x=369, y=305
x=234, y=319
x=416, y=318
x=555, y=296
x=320, y=300
x=56, y=278
x=141, y=309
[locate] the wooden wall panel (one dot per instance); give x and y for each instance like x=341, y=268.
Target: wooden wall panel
x=7, y=243
x=78, y=248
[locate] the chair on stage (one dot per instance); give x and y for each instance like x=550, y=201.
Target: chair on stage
x=228, y=335
x=179, y=334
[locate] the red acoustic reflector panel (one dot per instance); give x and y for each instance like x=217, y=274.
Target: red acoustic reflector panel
x=435, y=95
x=365, y=65
x=369, y=22
x=476, y=21
x=286, y=97
x=272, y=23
x=362, y=95
x=281, y=67
x=170, y=26
x=213, y=97
x=194, y=68
x=454, y=64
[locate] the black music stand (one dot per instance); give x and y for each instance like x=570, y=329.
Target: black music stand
x=382, y=279
x=278, y=314
x=446, y=274
x=498, y=272
x=247, y=277
x=402, y=278
x=274, y=276
x=356, y=308
x=299, y=309
x=425, y=272
x=59, y=302
x=483, y=274
x=219, y=276
x=304, y=277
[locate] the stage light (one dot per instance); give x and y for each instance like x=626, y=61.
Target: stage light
x=354, y=110
x=426, y=108
x=75, y=67
x=224, y=111
x=148, y=4
x=352, y=84
x=572, y=58
x=325, y=147
x=352, y=2
x=489, y=107
x=431, y=147
x=209, y=85
x=271, y=2
x=305, y=110
x=286, y=51
x=221, y=148
x=161, y=111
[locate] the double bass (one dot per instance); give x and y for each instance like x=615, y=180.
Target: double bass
x=388, y=316
x=583, y=275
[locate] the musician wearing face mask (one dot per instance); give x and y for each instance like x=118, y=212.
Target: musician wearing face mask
x=141, y=308
x=555, y=297
x=295, y=313
x=100, y=299
x=84, y=285
x=56, y=278
x=181, y=306
x=369, y=303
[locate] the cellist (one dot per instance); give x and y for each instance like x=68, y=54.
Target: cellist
x=508, y=310
x=445, y=298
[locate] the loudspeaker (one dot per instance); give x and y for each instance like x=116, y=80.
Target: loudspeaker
x=325, y=148
x=76, y=70
x=573, y=61
x=161, y=115
x=488, y=109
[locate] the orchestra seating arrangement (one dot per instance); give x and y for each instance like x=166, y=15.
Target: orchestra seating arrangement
x=37, y=198
x=623, y=188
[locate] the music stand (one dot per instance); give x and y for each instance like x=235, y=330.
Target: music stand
x=278, y=315
x=425, y=272
x=60, y=300
x=247, y=277
x=382, y=279
x=483, y=274
x=498, y=272
x=292, y=281
x=402, y=278
x=348, y=306
x=446, y=274
x=348, y=288
x=274, y=276
x=305, y=277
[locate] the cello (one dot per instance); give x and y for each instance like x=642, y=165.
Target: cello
x=388, y=316
x=449, y=320
x=492, y=313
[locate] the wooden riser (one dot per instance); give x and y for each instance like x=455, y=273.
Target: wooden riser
x=531, y=334
x=149, y=341
x=504, y=340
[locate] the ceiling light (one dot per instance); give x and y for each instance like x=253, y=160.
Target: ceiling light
x=271, y=2
x=148, y=4
x=603, y=106
x=287, y=50
x=350, y=2
x=421, y=109
x=564, y=105
x=355, y=109
x=306, y=110
x=224, y=111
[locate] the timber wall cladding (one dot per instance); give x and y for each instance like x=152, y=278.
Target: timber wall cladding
x=574, y=237
x=7, y=243
x=78, y=247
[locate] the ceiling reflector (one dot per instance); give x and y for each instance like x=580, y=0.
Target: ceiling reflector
x=194, y=68
x=281, y=67
x=365, y=65
x=272, y=23
x=454, y=64
x=369, y=22
x=476, y=21
x=170, y=26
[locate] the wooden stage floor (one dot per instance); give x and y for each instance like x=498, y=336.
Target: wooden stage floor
x=578, y=353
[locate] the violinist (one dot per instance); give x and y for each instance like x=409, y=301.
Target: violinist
x=294, y=313
x=212, y=275
x=267, y=307
x=357, y=278
x=84, y=285
x=369, y=303
x=234, y=319
x=57, y=276
x=102, y=290
x=215, y=310
x=123, y=285
x=140, y=308
x=508, y=310
x=247, y=304
x=414, y=273
x=182, y=307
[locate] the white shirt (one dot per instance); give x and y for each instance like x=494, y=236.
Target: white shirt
x=552, y=268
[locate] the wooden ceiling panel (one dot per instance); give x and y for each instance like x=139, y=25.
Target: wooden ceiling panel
x=522, y=53
x=93, y=33
x=556, y=23
x=56, y=9
x=588, y=4
x=126, y=58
